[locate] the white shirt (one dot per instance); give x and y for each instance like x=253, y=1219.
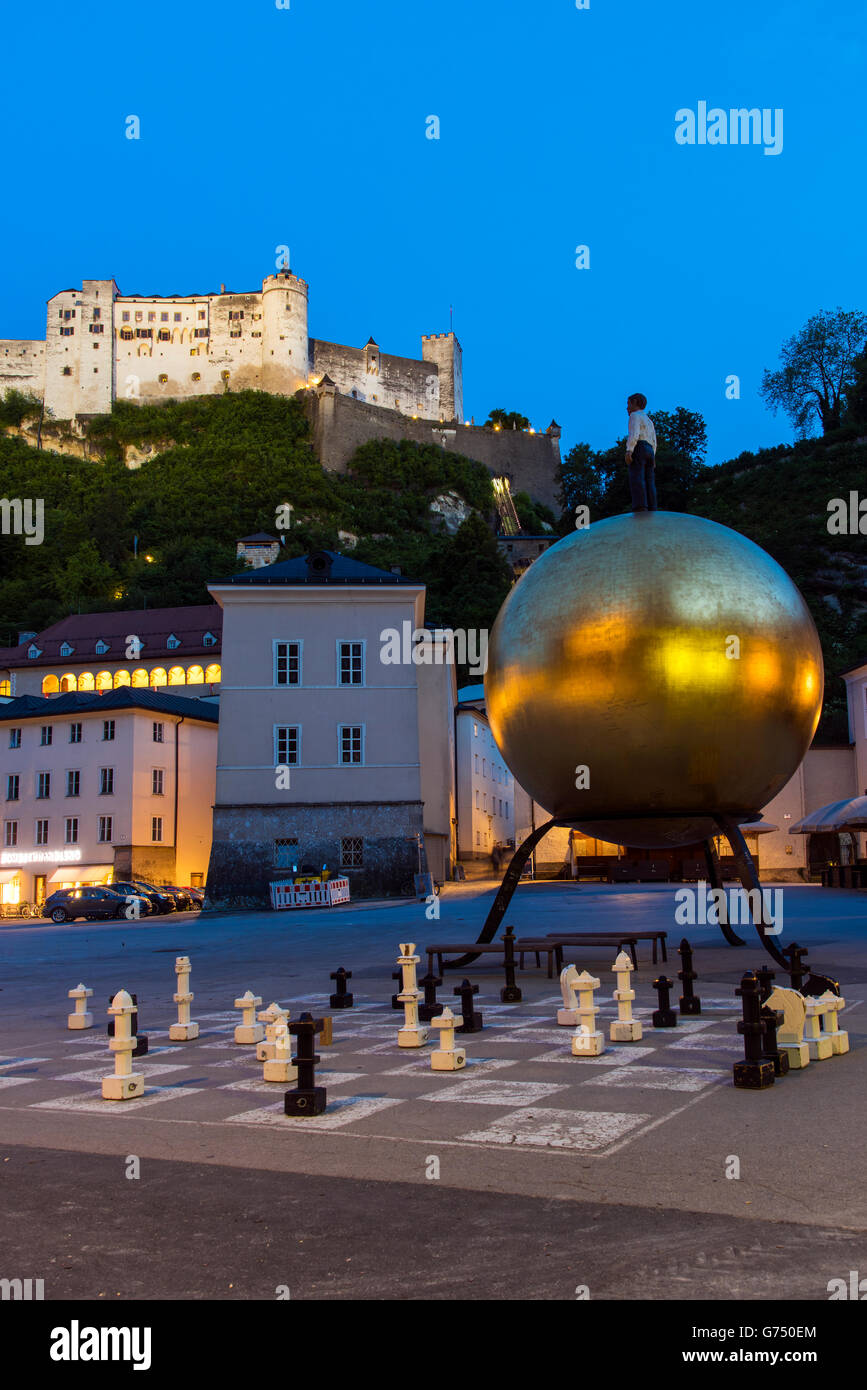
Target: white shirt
x=640, y=427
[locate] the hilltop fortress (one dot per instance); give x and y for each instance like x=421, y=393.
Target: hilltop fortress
x=101, y=345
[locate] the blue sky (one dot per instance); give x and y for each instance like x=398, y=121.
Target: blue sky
x=306, y=126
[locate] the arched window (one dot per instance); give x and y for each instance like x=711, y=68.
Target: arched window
x=103, y=680
x=195, y=675
x=5, y=687
x=121, y=678
x=158, y=677
x=177, y=675
x=85, y=680
x=50, y=685
x=139, y=678
x=213, y=675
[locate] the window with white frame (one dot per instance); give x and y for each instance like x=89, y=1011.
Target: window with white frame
x=350, y=663
x=287, y=744
x=106, y=781
x=14, y=738
x=13, y=783
x=75, y=733
x=108, y=730
x=158, y=733
x=73, y=781
x=10, y=834
x=46, y=735
x=43, y=786
x=72, y=830
x=157, y=829
x=42, y=832
x=350, y=744
x=157, y=780
x=104, y=829
x=287, y=663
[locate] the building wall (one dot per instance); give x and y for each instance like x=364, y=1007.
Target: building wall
x=30, y=680
x=482, y=826
x=22, y=366
x=437, y=693
x=394, y=383
x=340, y=425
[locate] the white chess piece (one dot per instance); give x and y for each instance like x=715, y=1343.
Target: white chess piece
x=412, y=1034
x=567, y=1017
x=447, y=1057
x=832, y=1003
x=125, y=1084
x=82, y=1018
x=279, y=1067
x=624, y=1028
x=587, y=1040
x=818, y=1043
x=269, y=1016
x=790, y=1034
x=184, y=1030
x=248, y=1030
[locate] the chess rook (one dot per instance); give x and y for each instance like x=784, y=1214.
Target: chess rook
x=510, y=993
x=184, y=1030
x=81, y=1018
x=125, y=1084
x=411, y=1034
x=447, y=1057
x=756, y=1071
x=624, y=1028
x=587, y=1040
x=278, y=1067
x=471, y=1019
x=248, y=1030
x=341, y=999
x=689, y=1001
x=269, y=1017
x=664, y=1016
x=307, y=1099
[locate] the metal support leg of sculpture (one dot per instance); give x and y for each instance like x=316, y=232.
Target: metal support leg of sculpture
x=715, y=879
x=510, y=882
x=750, y=880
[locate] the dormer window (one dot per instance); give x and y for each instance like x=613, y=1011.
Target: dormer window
x=173, y=642
x=66, y=649
x=33, y=651
x=101, y=647
x=209, y=640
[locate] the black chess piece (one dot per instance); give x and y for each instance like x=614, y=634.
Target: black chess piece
x=431, y=1008
x=756, y=1071
x=342, y=999
x=797, y=969
x=510, y=993
x=664, y=1016
x=395, y=1002
x=772, y=1019
x=471, y=1021
x=141, y=1042
x=765, y=976
x=306, y=1098
x=689, y=1001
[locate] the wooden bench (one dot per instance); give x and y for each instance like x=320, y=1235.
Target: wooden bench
x=657, y=938
x=492, y=948
x=557, y=941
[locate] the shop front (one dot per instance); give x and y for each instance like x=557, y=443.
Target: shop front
x=32, y=877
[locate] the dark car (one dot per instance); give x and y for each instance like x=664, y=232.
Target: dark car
x=160, y=897
x=197, y=895
x=92, y=903
x=149, y=901
x=183, y=900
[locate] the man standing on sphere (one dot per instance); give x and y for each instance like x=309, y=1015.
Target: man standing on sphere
x=641, y=455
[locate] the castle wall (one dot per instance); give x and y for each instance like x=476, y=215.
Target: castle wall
x=444, y=350
x=22, y=365
x=340, y=425
x=396, y=383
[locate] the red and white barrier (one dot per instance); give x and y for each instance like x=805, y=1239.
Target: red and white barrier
x=287, y=893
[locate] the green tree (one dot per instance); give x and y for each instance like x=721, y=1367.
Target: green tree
x=856, y=396
x=817, y=370
x=507, y=420
x=16, y=407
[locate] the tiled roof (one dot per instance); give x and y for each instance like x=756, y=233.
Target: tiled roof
x=153, y=626
x=343, y=570
x=154, y=701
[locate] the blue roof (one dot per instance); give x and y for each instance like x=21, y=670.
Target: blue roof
x=335, y=569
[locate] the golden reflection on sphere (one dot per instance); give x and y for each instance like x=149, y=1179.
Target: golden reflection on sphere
x=671, y=657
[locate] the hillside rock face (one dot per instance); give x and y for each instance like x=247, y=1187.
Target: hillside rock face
x=451, y=509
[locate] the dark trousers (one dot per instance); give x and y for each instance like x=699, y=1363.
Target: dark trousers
x=642, y=478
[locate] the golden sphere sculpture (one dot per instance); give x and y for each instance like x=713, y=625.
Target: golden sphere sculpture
x=650, y=671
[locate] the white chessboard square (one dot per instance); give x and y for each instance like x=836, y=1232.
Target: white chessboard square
x=142, y=1067
x=477, y=1065
x=710, y=1042
x=6, y=1081
x=9, y=1062
x=615, y=1055
x=269, y=1088
x=660, y=1078
x=511, y=1093
x=343, y=1110
x=94, y=1104
x=586, y=1131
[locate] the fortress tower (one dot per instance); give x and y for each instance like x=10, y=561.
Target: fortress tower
x=445, y=350
x=285, y=343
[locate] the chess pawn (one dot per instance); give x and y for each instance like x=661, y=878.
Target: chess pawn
x=270, y=1017
x=819, y=1044
x=830, y=1025
x=82, y=1018
x=587, y=1040
x=125, y=1084
x=411, y=1034
x=248, y=1030
x=279, y=1066
x=567, y=1017
x=624, y=1028
x=447, y=1057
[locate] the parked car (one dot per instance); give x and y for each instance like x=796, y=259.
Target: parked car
x=183, y=901
x=160, y=897
x=148, y=901
x=66, y=904
x=196, y=894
